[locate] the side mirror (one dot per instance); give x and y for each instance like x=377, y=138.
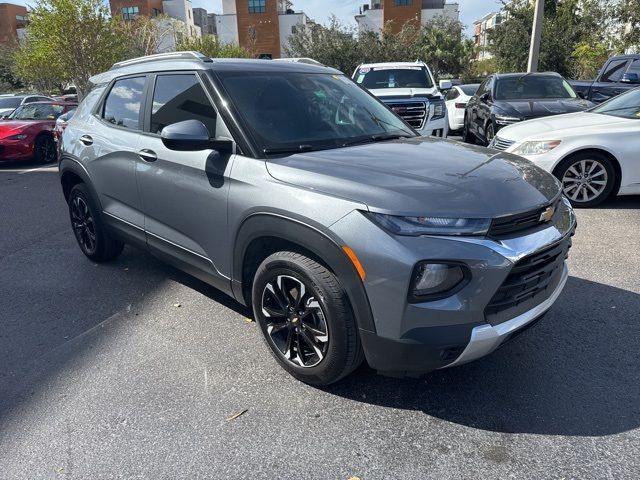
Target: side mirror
x=192, y=136
x=581, y=95
x=485, y=96
x=446, y=85
x=630, y=78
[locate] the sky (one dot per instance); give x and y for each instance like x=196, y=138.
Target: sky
x=320, y=10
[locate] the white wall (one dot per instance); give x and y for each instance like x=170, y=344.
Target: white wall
x=286, y=22
x=227, y=27
x=182, y=10
x=370, y=20
x=229, y=7
x=450, y=11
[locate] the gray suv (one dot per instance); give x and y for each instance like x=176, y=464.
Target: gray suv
x=293, y=190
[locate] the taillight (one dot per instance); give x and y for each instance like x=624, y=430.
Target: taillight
x=461, y=105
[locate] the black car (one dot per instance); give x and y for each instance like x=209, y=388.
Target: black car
x=618, y=75
x=503, y=99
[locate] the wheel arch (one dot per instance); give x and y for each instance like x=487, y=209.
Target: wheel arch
x=72, y=173
x=262, y=234
x=602, y=151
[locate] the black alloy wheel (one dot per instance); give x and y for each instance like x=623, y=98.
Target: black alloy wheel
x=45, y=149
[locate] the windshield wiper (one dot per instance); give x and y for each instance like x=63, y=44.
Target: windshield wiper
x=283, y=150
x=376, y=138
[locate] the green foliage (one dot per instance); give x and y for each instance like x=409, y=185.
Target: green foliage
x=626, y=14
x=440, y=44
x=69, y=40
x=568, y=25
x=208, y=45
x=9, y=80
x=589, y=58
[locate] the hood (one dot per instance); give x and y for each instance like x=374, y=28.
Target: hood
x=541, y=108
x=6, y=111
x=405, y=92
x=562, y=126
x=10, y=127
x=422, y=176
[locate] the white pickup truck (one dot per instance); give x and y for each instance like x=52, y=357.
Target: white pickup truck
x=409, y=90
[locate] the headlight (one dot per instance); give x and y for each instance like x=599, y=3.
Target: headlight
x=20, y=136
x=535, y=148
x=433, y=280
x=506, y=120
x=415, y=226
x=438, y=109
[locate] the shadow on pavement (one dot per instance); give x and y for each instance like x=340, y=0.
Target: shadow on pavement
x=575, y=373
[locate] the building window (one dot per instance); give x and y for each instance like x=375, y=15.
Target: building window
x=402, y=3
x=129, y=13
x=257, y=6
x=294, y=29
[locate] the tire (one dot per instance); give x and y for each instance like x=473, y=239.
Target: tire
x=317, y=342
x=581, y=188
x=91, y=234
x=45, y=150
x=467, y=136
x=489, y=133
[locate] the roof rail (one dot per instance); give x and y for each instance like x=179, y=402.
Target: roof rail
x=162, y=56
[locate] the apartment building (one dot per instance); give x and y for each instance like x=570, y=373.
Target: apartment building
x=177, y=9
x=396, y=13
x=13, y=20
x=261, y=26
x=481, y=29
x=204, y=20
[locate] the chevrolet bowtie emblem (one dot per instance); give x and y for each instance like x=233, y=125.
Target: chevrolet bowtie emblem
x=547, y=214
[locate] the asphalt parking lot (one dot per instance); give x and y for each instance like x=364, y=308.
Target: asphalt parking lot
x=136, y=370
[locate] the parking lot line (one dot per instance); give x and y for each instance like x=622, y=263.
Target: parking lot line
x=46, y=168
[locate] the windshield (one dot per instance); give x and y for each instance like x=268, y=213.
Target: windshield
x=470, y=89
x=37, y=111
x=394, y=77
x=11, y=102
x=533, y=87
x=67, y=116
x=626, y=105
x=288, y=110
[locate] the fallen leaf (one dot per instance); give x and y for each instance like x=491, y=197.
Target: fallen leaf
x=237, y=414
x=354, y=478
x=248, y=320
x=177, y=305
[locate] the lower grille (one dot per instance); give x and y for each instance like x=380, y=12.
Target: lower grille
x=501, y=143
x=412, y=112
x=531, y=281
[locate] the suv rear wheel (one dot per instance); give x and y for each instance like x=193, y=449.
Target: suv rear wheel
x=305, y=318
x=93, y=238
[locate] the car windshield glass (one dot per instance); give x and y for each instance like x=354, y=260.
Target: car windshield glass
x=387, y=77
x=470, y=89
x=626, y=105
x=67, y=116
x=533, y=87
x=302, y=111
x=37, y=111
x=11, y=102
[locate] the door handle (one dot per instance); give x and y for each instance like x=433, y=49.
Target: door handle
x=148, y=155
x=86, y=140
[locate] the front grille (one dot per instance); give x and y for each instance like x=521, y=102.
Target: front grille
x=531, y=281
x=501, y=143
x=412, y=112
x=504, y=226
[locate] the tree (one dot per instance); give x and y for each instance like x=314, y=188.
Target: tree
x=77, y=37
x=627, y=16
x=443, y=47
x=9, y=80
x=149, y=36
x=208, y=45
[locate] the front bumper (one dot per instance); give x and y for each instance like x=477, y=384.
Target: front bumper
x=436, y=128
x=11, y=150
x=415, y=338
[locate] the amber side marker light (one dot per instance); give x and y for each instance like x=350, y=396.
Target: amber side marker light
x=356, y=263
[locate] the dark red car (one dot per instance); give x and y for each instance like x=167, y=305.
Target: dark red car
x=28, y=133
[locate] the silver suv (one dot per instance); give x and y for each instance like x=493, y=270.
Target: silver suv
x=295, y=191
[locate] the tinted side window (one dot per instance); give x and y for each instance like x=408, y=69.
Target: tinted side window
x=122, y=106
x=634, y=67
x=483, y=87
x=180, y=97
x=453, y=94
x=614, y=70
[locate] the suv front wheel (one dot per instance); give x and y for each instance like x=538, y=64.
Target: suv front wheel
x=305, y=318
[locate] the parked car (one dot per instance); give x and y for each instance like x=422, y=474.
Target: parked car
x=290, y=188
x=9, y=103
x=456, y=100
x=28, y=132
x=618, y=75
x=504, y=99
x=594, y=153
x=61, y=124
x=410, y=91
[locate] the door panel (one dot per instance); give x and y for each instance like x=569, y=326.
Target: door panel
x=184, y=194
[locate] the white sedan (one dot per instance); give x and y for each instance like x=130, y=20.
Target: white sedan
x=594, y=154
x=456, y=101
